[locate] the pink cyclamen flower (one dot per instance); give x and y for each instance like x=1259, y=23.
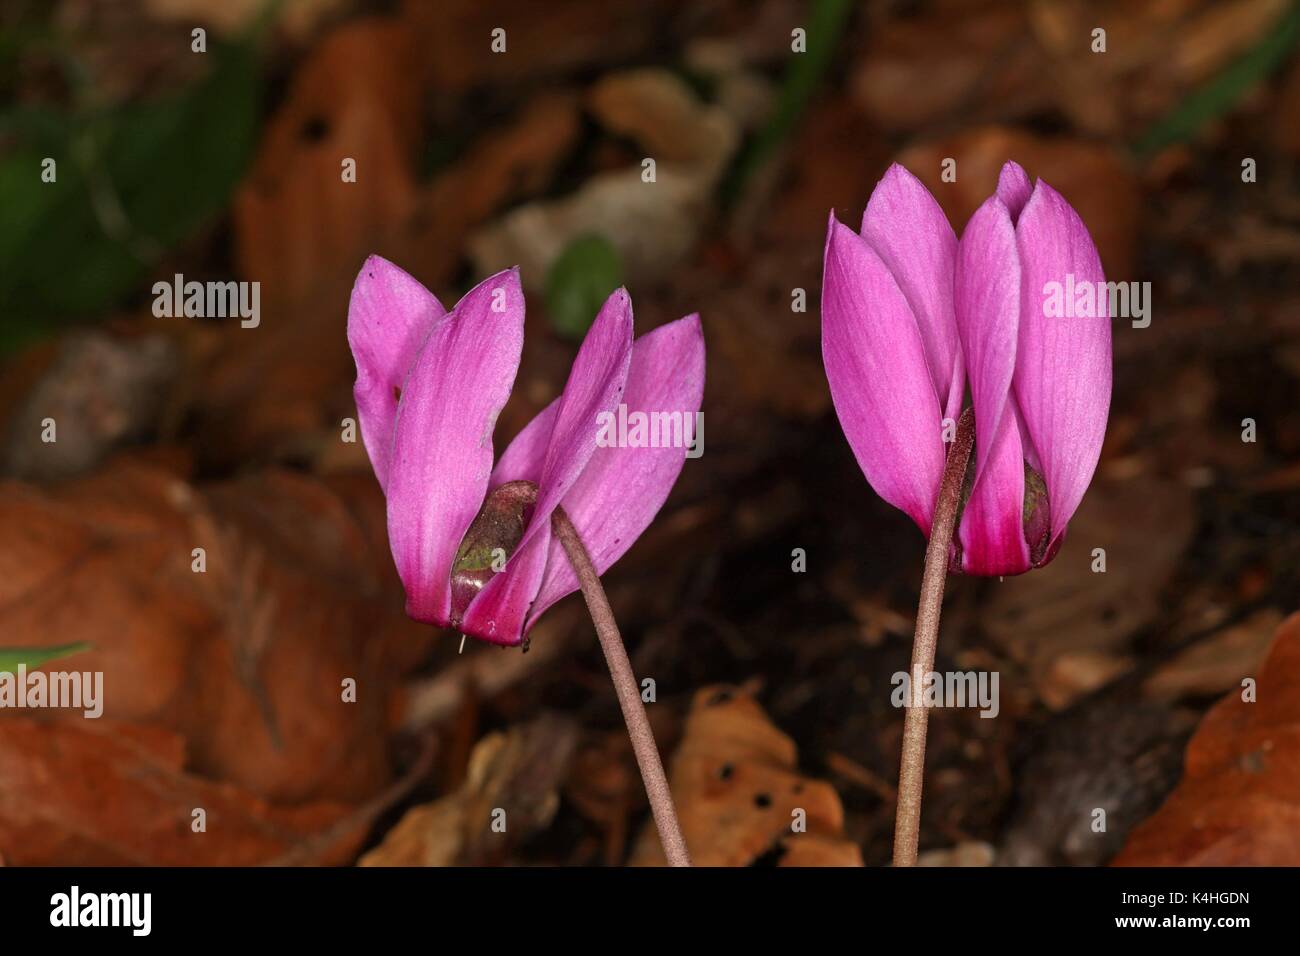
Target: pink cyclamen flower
x=910, y=315
x=429, y=387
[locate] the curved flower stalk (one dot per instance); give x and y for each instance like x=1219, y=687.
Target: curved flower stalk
x=910, y=316
x=487, y=548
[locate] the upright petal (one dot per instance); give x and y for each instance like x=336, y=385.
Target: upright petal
x=909, y=231
x=992, y=527
x=595, y=385
x=1014, y=188
x=880, y=384
x=389, y=316
x=987, y=297
x=622, y=488
x=1063, y=363
x=442, y=447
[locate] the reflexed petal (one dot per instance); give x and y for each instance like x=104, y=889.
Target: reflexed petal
x=1063, y=364
x=389, y=316
x=992, y=528
x=987, y=297
x=880, y=385
x=442, y=447
x=910, y=233
x=1014, y=188
x=622, y=488
x=596, y=383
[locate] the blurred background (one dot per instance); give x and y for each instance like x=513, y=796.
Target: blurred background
x=488, y=134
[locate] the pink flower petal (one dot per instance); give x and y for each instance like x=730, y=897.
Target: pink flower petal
x=595, y=385
x=880, y=384
x=622, y=488
x=992, y=529
x=912, y=236
x=499, y=612
x=956, y=390
x=1063, y=364
x=987, y=297
x=389, y=316
x=442, y=447
x=1014, y=188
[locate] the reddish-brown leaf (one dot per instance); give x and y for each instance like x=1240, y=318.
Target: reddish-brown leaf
x=1239, y=800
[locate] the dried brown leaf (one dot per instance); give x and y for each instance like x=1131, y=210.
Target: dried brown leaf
x=739, y=795
x=1239, y=800
x=103, y=794
x=245, y=660
x=513, y=783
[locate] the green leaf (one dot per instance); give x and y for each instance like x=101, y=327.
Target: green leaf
x=1220, y=94
x=579, y=282
x=11, y=657
x=131, y=184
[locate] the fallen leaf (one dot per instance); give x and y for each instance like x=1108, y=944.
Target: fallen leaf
x=979, y=61
x=505, y=165
x=1073, y=673
x=1238, y=803
x=988, y=61
x=1156, y=54
x=660, y=112
x=302, y=230
x=652, y=225
x=564, y=36
x=297, y=219
x=245, y=659
x=510, y=792
x=740, y=796
x=95, y=793
x=101, y=393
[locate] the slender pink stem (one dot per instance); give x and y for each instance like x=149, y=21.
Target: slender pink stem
x=629, y=694
x=907, y=821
